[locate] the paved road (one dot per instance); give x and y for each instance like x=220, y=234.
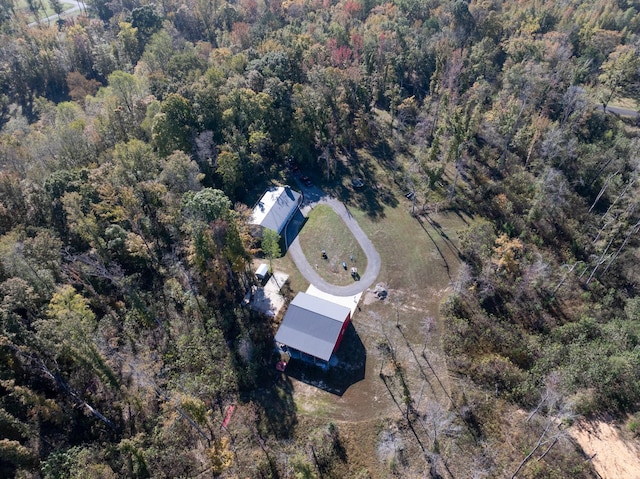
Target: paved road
x=314, y=196
x=77, y=5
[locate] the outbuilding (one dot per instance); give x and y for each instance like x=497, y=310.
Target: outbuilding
x=313, y=328
x=275, y=208
x=262, y=271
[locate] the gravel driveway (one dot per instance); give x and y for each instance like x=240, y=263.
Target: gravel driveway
x=312, y=197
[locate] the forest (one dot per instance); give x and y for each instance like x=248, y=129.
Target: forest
x=135, y=136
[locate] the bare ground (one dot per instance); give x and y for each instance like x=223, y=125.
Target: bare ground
x=612, y=456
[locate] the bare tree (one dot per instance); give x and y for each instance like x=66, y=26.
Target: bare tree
x=554, y=413
x=439, y=421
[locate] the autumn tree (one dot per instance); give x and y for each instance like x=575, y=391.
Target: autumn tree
x=620, y=73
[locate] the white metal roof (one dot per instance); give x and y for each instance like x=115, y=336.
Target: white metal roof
x=262, y=270
x=275, y=208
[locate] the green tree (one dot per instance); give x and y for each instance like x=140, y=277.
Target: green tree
x=130, y=47
x=620, y=73
x=230, y=170
x=180, y=174
x=271, y=245
x=134, y=162
x=147, y=21
x=174, y=126
x=68, y=331
x=207, y=205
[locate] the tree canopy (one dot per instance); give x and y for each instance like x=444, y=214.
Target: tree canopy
x=133, y=135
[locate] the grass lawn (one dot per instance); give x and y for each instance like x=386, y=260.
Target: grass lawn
x=23, y=7
x=629, y=103
x=324, y=229
x=296, y=281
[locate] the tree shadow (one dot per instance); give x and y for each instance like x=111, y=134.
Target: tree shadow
x=273, y=396
x=346, y=366
x=438, y=227
x=371, y=197
x=278, y=409
x=444, y=259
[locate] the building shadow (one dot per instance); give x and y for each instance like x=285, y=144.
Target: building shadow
x=292, y=229
x=346, y=367
x=275, y=406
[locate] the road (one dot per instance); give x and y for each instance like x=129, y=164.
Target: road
x=77, y=6
x=312, y=197
x=622, y=111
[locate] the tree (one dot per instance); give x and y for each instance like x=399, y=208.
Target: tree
x=271, y=245
x=147, y=21
x=130, y=46
x=57, y=7
x=70, y=322
x=180, y=174
x=80, y=87
x=620, y=73
x=134, y=162
x=229, y=168
x=206, y=205
x=174, y=126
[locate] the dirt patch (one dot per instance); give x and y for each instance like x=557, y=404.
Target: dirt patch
x=268, y=299
x=611, y=455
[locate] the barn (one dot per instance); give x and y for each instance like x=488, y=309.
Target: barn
x=275, y=208
x=313, y=328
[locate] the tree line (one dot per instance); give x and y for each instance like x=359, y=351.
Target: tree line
x=133, y=134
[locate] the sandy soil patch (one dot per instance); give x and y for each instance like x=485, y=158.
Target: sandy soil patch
x=612, y=456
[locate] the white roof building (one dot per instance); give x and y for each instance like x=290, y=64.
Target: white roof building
x=276, y=207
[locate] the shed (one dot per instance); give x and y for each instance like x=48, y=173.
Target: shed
x=262, y=271
x=275, y=208
x=313, y=327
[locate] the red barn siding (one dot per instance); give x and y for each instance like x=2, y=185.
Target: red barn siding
x=345, y=325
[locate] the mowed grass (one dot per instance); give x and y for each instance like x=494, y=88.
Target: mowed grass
x=416, y=253
x=22, y=6
x=629, y=103
x=324, y=229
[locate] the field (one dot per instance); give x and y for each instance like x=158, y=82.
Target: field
x=397, y=339
x=325, y=230
x=22, y=7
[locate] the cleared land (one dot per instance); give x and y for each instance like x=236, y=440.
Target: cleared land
x=612, y=456
x=325, y=230
x=22, y=7
x=393, y=357
x=418, y=260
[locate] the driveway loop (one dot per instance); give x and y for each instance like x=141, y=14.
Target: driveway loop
x=314, y=196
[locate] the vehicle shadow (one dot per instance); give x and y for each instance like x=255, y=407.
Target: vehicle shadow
x=347, y=366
